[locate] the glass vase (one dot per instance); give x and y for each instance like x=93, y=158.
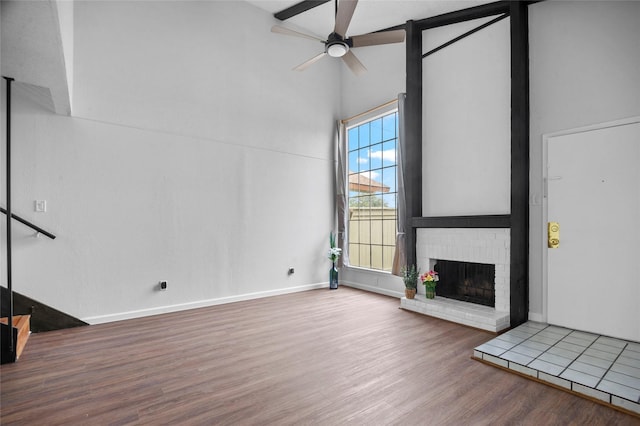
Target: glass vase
x=430, y=292
x=333, y=277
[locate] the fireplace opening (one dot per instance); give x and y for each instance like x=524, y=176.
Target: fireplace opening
x=467, y=281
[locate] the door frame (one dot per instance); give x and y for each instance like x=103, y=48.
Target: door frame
x=545, y=205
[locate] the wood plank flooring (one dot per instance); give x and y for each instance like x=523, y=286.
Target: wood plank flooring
x=318, y=357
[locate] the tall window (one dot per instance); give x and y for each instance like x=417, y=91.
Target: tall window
x=372, y=191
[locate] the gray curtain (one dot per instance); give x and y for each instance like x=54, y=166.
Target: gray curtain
x=400, y=256
x=341, y=193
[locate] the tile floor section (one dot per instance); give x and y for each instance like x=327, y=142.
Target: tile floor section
x=597, y=366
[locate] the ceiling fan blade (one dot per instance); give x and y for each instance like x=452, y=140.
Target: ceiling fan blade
x=353, y=63
x=382, y=37
x=298, y=8
x=344, y=15
x=303, y=66
x=286, y=31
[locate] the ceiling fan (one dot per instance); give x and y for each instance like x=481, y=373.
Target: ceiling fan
x=337, y=45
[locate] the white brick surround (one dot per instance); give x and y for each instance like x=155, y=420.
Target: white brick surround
x=485, y=245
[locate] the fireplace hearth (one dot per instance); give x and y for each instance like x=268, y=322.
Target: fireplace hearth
x=466, y=281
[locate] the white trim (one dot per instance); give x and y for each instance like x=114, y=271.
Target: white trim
x=101, y=319
x=375, y=113
x=370, y=115
x=373, y=289
x=545, y=207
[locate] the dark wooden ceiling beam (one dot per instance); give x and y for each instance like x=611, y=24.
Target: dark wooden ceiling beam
x=482, y=11
x=298, y=8
x=467, y=34
x=463, y=15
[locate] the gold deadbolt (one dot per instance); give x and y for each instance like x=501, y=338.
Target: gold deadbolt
x=553, y=234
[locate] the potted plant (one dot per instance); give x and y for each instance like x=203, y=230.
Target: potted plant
x=430, y=279
x=410, y=278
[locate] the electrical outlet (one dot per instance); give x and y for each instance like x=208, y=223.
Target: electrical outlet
x=40, y=206
x=163, y=285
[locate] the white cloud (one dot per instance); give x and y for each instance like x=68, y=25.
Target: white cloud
x=362, y=160
x=386, y=155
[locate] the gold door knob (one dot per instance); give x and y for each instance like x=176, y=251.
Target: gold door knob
x=553, y=234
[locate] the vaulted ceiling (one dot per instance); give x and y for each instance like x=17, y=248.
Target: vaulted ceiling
x=33, y=30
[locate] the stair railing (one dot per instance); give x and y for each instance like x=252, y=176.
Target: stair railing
x=12, y=348
x=29, y=224
x=9, y=216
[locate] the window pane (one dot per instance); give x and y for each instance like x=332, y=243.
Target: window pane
x=376, y=257
x=354, y=234
x=389, y=153
x=365, y=256
x=363, y=135
x=389, y=126
x=389, y=201
x=363, y=159
x=387, y=254
x=376, y=156
x=388, y=178
x=364, y=227
x=376, y=131
x=352, y=135
x=377, y=187
x=353, y=163
x=376, y=226
x=389, y=232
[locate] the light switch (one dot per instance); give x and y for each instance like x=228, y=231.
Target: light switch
x=41, y=206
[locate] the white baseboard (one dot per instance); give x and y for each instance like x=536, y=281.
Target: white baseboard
x=101, y=319
x=373, y=289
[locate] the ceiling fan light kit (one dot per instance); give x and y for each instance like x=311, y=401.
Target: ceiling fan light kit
x=337, y=46
x=337, y=50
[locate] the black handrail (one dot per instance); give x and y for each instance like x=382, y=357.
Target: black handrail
x=29, y=224
x=12, y=343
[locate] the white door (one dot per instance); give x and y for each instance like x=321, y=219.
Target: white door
x=593, y=183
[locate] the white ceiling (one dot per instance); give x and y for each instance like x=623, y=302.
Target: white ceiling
x=370, y=15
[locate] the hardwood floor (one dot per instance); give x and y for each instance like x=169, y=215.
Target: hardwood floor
x=317, y=357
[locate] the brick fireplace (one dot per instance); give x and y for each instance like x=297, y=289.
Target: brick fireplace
x=483, y=246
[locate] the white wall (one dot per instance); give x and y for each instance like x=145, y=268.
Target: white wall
x=194, y=156
x=466, y=121
x=585, y=63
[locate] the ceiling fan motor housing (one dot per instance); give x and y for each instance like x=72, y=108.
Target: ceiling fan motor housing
x=336, y=46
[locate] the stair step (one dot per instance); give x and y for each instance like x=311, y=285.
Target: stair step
x=21, y=322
